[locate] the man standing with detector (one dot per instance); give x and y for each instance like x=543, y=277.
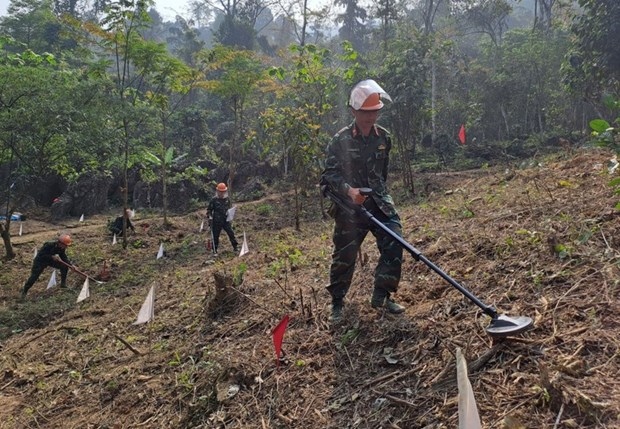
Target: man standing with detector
x=217, y=213
x=358, y=157
x=52, y=254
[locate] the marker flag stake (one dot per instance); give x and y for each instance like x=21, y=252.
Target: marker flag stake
x=160, y=253
x=85, y=292
x=202, y=225
x=147, y=311
x=20, y=229
x=278, y=336
x=114, y=239
x=52, y=281
x=468, y=410
x=35, y=253
x=82, y=218
x=244, y=246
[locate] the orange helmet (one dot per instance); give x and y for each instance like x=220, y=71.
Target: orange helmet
x=65, y=239
x=372, y=102
x=221, y=187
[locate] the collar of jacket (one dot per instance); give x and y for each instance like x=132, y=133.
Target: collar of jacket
x=355, y=131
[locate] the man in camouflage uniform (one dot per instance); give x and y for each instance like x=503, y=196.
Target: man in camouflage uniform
x=217, y=212
x=358, y=157
x=52, y=254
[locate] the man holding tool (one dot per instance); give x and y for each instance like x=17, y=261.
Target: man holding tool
x=358, y=157
x=52, y=254
x=217, y=214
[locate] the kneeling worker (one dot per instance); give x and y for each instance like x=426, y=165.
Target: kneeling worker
x=52, y=254
x=117, y=226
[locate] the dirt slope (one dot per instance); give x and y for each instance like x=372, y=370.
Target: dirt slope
x=542, y=242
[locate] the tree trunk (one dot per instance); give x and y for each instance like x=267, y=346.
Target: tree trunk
x=5, y=233
x=164, y=178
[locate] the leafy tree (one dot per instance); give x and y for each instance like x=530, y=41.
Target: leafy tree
x=31, y=23
x=184, y=41
x=388, y=12
x=171, y=81
x=234, y=76
x=404, y=72
x=49, y=126
x=489, y=17
x=291, y=129
x=140, y=67
x=353, y=23
x=594, y=63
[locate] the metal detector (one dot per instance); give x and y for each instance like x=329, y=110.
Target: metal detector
x=212, y=238
x=500, y=326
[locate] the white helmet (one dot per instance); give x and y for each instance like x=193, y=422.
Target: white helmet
x=366, y=95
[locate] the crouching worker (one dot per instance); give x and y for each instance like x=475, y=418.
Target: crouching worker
x=52, y=254
x=116, y=227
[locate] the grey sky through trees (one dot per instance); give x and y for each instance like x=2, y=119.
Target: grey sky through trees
x=168, y=9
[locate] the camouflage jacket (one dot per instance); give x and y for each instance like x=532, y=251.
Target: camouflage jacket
x=217, y=209
x=360, y=162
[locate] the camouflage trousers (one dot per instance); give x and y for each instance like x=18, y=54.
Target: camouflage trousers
x=217, y=228
x=349, y=233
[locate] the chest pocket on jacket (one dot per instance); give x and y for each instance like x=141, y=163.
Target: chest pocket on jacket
x=380, y=154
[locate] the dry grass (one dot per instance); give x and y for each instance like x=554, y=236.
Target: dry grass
x=542, y=242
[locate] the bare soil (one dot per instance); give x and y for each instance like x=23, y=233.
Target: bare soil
x=542, y=242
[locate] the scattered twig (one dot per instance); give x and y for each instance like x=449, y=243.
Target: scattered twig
x=557, y=420
x=126, y=344
x=396, y=399
x=254, y=302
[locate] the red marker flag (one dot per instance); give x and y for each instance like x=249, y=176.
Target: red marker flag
x=278, y=336
x=462, y=134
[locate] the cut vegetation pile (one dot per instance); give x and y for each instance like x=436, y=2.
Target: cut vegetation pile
x=542, y=242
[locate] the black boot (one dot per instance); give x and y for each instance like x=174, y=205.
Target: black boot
x=337, y=310
x=381, y=299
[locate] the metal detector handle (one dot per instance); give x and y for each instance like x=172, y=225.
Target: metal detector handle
x=350, y=208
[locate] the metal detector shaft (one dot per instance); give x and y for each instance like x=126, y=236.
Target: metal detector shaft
x=350, y=208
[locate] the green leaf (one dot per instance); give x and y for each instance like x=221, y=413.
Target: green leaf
x=152, y=158
x=599, y=125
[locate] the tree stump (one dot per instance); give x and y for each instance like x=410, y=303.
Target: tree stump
x=224, y=298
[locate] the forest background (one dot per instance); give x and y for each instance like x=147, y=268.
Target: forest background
x=105, y=103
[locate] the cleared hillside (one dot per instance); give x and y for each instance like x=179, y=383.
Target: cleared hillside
x=542, y=242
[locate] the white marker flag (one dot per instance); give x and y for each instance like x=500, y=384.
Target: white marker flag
x=20, y=229
x=52, y=281
x=244, y=246
x=147, y=311
x=468, y=410
x=160, y=253
x=202, y=225
x=82, y=218
x=85, y=292
x=114, y=239
x=230, y=214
